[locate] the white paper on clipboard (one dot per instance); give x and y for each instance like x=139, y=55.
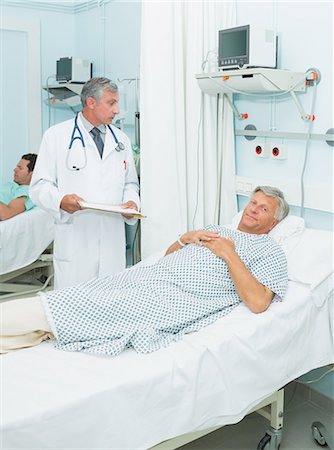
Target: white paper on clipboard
x=111, y=208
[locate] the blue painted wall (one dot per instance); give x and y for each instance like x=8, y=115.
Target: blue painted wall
x=113, y=45
x=108, y=36
x=55, y=41
x=13, y=102
x=303, y=29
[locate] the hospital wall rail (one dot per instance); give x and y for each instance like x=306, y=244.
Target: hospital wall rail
x=250, y=132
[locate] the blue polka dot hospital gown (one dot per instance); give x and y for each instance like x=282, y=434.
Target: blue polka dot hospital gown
x=149, y=307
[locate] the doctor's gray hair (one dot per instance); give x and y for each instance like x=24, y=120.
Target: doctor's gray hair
x=282, y=206
x=95, y=87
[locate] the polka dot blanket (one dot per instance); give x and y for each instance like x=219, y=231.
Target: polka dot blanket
x=149, y=307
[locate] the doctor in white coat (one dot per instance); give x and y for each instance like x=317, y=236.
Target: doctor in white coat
x=70, y=169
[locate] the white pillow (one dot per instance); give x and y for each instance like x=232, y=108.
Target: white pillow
x=310, y=262
x=287, y=228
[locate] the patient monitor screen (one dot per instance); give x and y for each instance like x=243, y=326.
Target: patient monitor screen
x=64, y=69
x=232, y=43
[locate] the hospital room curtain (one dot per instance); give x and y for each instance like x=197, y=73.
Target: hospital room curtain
x=187, y=141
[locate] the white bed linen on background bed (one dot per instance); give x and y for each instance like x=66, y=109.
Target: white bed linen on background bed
x=23, y=239
x=64, y=400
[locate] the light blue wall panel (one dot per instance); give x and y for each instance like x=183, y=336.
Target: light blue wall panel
x=303, y=29
x=13, y=106
x=57, y=31
x=57, y=40
x=110, y=37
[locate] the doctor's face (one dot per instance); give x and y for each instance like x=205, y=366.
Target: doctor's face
x=259, y=215
x=103, y=110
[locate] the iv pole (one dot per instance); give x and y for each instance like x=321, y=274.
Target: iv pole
x=137, y=113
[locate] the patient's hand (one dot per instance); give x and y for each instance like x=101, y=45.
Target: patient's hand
x=199, y=237
x=193, y=237
x=222, y=247
x=70, y=203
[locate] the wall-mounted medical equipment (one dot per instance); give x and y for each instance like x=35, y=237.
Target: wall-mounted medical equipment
x=70, y=69
x=260, y=149
x=279, y=151
x=273, y=149
x=247, y=46
x=259, y=81
x=64, y=95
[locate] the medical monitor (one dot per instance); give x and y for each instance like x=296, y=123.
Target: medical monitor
x=247, y=46
x=64, y=70
x=76, y=70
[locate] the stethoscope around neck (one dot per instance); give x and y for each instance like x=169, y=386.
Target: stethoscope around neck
x=119, y=147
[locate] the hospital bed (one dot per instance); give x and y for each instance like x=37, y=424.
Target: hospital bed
x=211, y=378
x=25, y=249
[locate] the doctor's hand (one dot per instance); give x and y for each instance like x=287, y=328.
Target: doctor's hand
x=131, y=205
x=70, y=203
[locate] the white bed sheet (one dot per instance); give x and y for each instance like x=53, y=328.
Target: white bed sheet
x=55, y=399
x=23, y=239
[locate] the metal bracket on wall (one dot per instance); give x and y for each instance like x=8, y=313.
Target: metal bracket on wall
x=330, y=138
x=238, y=115
x=312, y=78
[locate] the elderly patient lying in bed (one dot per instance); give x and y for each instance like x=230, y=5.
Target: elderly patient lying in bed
x=202, y=277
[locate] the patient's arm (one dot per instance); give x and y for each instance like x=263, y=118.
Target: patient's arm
x=193, y=237
x=13, y=208
x=254, y=294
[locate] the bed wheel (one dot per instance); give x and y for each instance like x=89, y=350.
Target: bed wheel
x=271, y=440
x=319, y=433
x=263, y=443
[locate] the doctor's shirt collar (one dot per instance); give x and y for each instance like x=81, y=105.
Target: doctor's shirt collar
x=88, y=126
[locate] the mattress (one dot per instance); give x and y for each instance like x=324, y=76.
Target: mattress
x=54, y=399
x=23, y=239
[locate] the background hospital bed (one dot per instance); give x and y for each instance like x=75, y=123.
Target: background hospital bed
x=214, y=377
x=23, y=239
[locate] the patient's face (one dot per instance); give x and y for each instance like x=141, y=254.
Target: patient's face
x=22, y=175
x=259, y=215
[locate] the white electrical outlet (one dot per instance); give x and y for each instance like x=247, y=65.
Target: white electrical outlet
x=260, y=149
x=278, y=151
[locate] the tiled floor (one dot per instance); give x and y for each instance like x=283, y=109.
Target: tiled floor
x=302, y=407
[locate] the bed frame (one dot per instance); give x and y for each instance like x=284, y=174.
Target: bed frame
x=39, y=273
x=271, y=408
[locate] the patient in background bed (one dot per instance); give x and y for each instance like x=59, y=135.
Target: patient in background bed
x=14, y=197
x=203, y=276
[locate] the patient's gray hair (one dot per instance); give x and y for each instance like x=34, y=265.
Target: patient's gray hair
x=282, y=208
x=95, y=87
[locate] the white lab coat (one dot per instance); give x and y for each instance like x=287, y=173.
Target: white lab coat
x=87, y=244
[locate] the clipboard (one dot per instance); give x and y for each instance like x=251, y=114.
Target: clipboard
x=111, y=208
